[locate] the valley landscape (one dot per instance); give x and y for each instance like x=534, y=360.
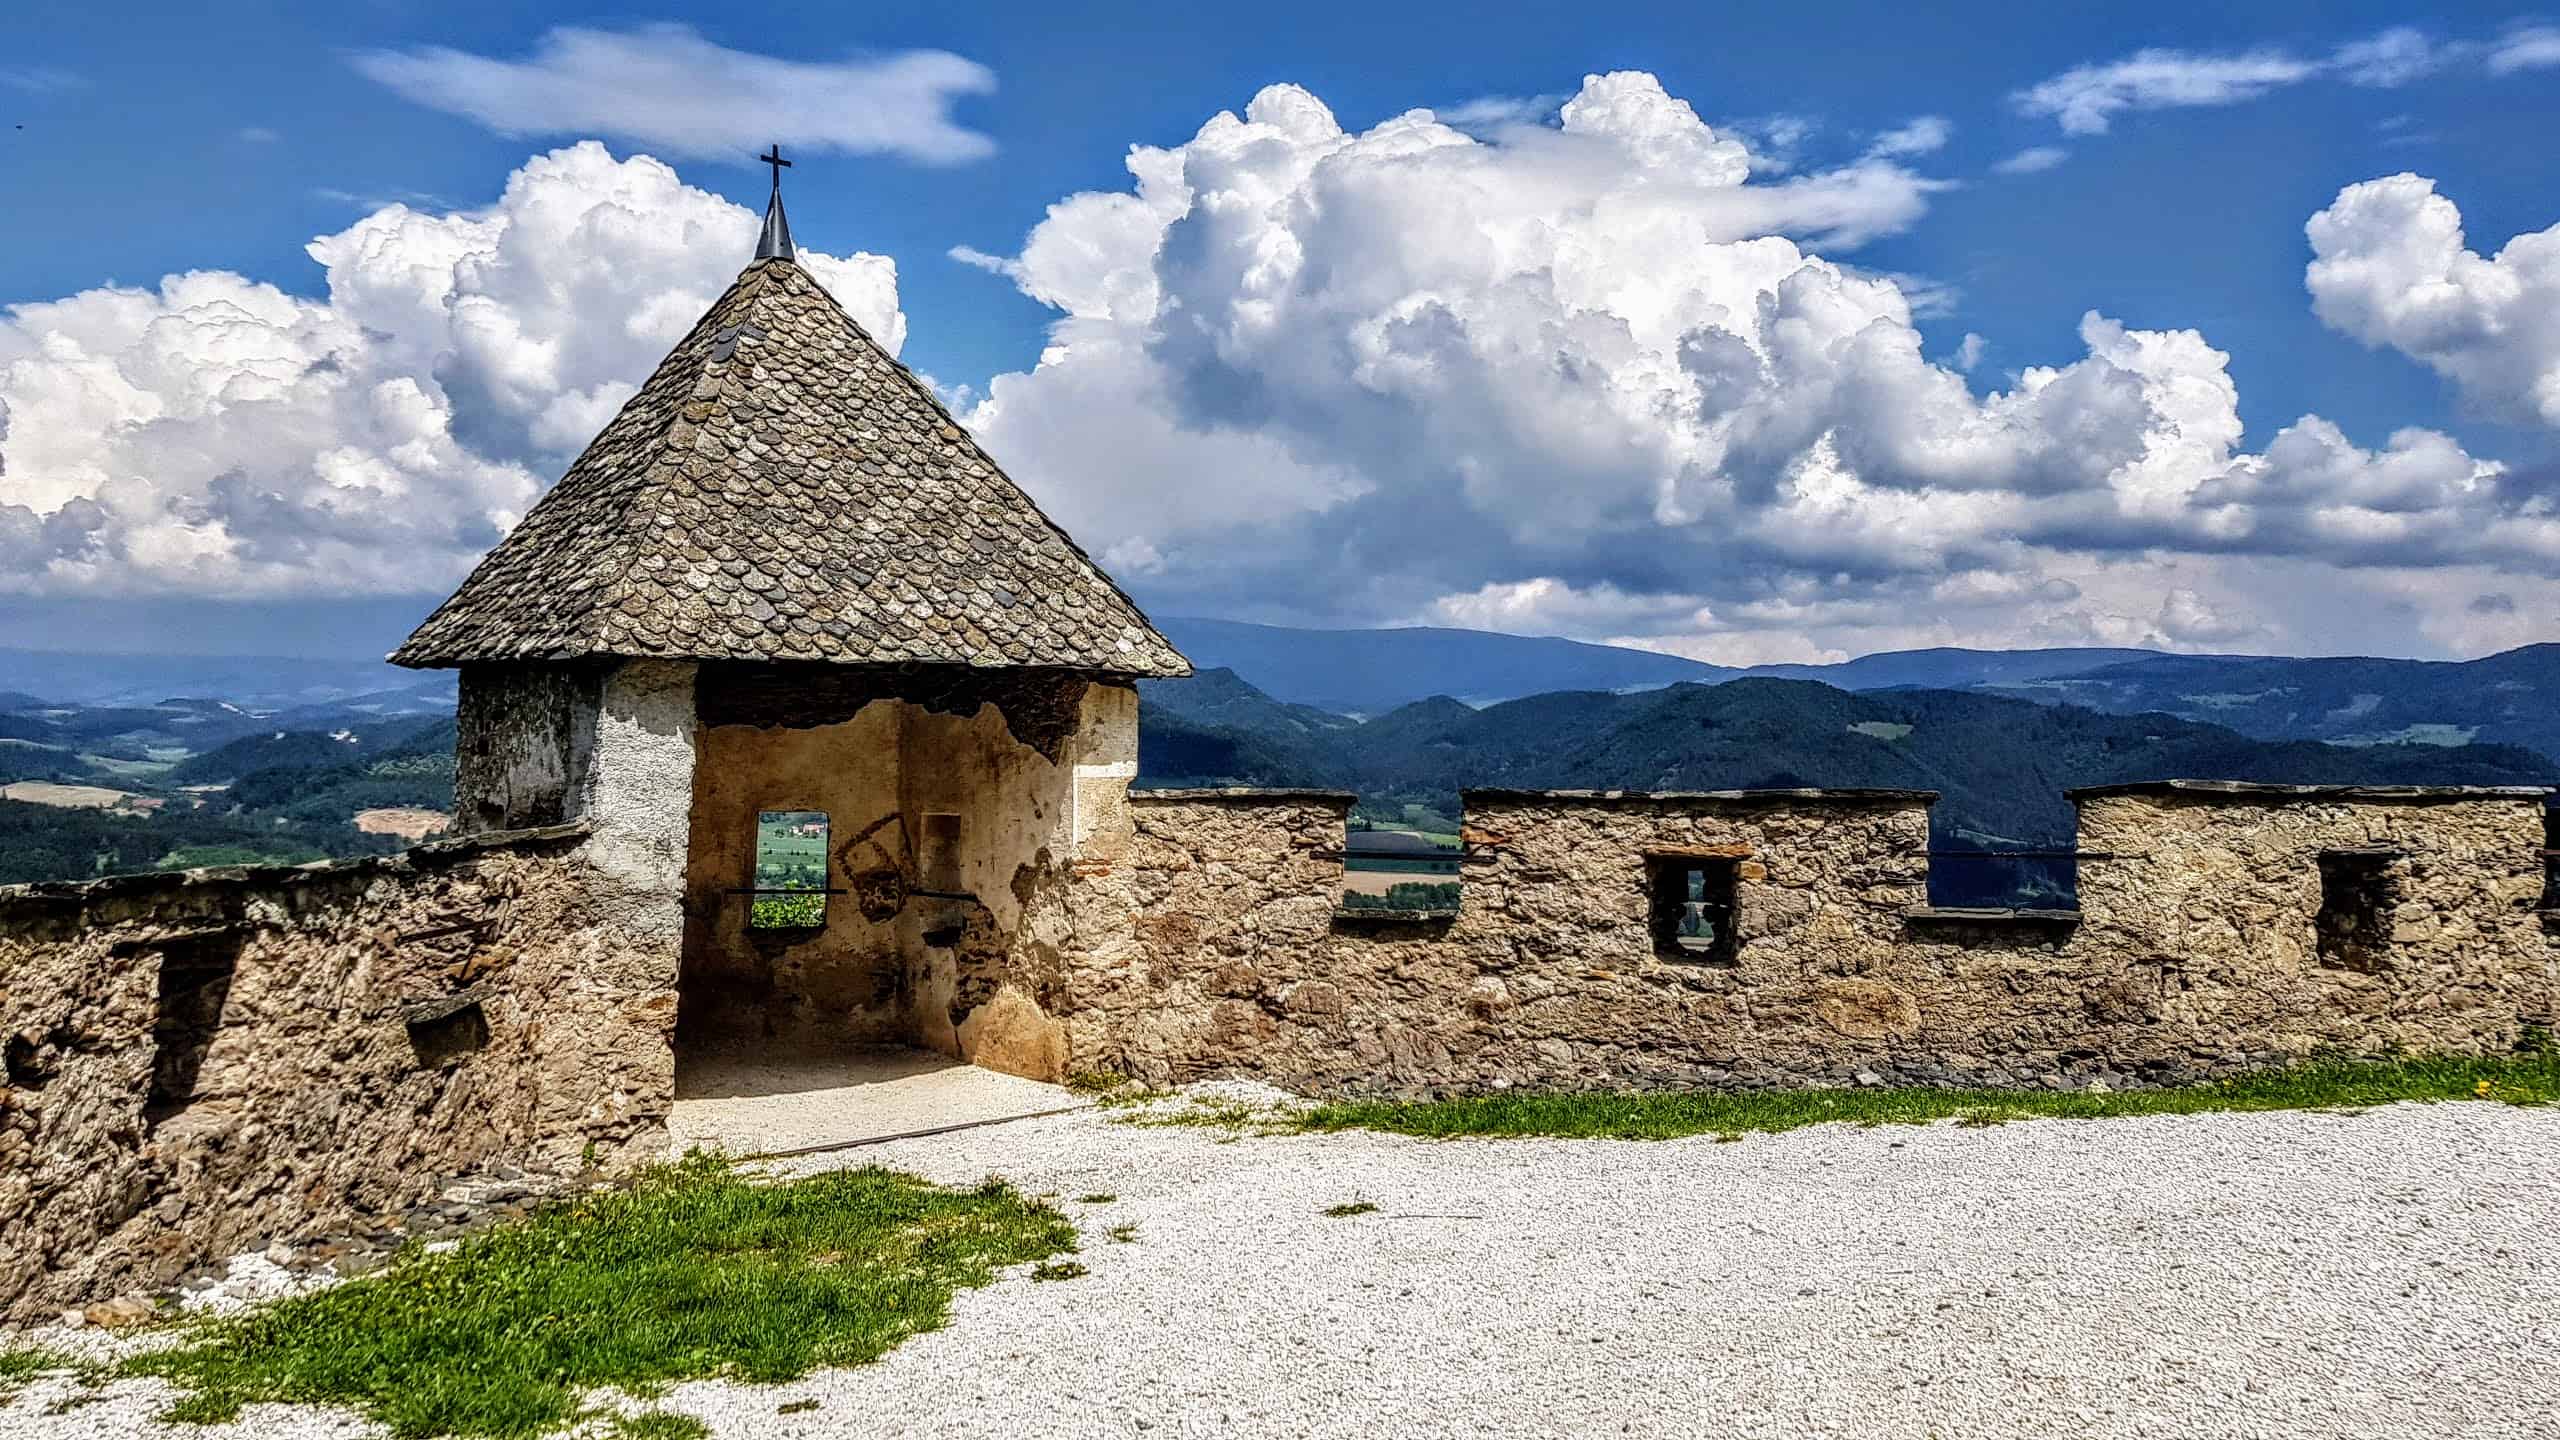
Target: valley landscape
x=105, y=768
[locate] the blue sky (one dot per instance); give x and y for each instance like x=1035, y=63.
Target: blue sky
x=149, y=140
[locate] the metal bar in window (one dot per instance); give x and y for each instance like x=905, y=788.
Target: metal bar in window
x=2029, y=855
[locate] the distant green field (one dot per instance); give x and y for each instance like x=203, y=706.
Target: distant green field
x=788, y=849
x=791, y=854
x=129, y=769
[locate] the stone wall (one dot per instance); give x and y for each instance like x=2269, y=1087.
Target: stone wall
x=2195, y=955
x=199, y=1063
x=2206, y=918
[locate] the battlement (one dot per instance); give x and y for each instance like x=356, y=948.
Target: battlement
x=343, y=1035
x=2220, y=926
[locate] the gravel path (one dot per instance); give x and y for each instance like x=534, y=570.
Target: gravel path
x=2393, y=1273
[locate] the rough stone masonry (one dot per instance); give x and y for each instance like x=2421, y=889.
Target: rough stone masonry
x=203, y=1062
x=200, y=1063
x=2197, y=949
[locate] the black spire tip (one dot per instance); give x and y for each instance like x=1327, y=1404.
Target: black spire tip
x=775, y=242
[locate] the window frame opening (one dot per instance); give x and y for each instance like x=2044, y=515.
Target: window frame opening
x=792, y=899
x=1685, y=893
x=2359, y=890
x=1417, y=878
x=190, y=993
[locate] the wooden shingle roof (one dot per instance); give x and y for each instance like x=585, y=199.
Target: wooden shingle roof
x=781, y=489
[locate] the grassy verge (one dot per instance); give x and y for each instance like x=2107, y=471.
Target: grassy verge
x=2324, y=1085
x=693, y=1272
x=17, y=1367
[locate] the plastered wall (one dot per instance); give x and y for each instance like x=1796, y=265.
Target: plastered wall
x=952, y=839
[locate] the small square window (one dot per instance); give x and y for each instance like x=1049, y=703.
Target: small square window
x=1694, y=909
x=791, y=857
x=2358, y=892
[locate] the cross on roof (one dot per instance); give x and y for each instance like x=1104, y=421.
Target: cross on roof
x=775, y=242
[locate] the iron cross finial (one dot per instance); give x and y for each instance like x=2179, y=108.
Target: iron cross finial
x=773, y=157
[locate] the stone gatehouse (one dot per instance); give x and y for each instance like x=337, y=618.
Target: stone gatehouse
x=788, y=721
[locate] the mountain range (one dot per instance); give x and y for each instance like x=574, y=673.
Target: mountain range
x=2001, y=763
x=1405, y=717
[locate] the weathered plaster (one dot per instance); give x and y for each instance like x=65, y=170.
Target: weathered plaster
x=638, y=792
x=524, y=738
x=972, y=970
x=841, y=985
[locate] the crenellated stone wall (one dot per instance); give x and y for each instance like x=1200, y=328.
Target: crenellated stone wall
x=195, y=1064
x=201, y=1062
x=2195, y=953
x=2205, y=917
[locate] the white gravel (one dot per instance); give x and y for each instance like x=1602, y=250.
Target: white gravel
x=2395, y=1273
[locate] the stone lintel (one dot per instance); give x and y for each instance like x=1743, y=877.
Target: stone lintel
x=1393, y=917
x=2246, y=790
x=1836, y=796
x=1733, y=851
x=1139, y=794
x=1987, y=915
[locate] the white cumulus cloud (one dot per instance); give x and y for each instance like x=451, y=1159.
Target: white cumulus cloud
x=214, y=435
x=1605, y=380
x=2392, y=268
x=667, y=87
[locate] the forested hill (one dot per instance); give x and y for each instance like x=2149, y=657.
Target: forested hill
x=2511, y=698
x=198, y=781
x=2001, y=764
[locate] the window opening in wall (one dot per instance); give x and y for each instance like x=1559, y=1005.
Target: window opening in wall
x=791, y=857
x=1401, y=860
x=1694, y=909
x=442, y=1032
x=2357, y=896
x=195, y=980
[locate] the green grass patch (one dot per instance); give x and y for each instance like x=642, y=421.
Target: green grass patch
x=693, y=1272
x=787, y=912
x=17, y=1367
x=2531, y=1079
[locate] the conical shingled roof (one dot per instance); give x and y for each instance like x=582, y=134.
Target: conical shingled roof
x=781, y=489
